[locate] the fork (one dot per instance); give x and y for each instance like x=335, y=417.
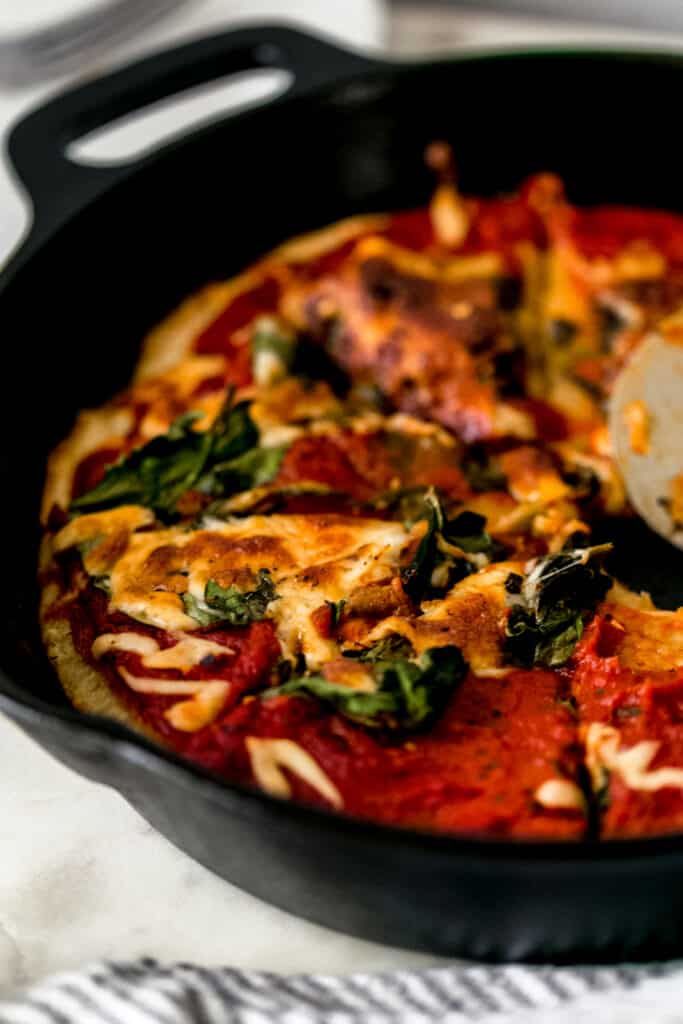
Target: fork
x=68, y=45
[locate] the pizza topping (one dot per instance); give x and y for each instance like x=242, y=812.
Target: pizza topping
x=231, y=605
x=603, y=755
x=407, y=695
x=560, y=794
x=548, y=605
x=447, y=209
x=166, y=687
x=199, y=710
x=186, y=654
x=216, y=461
x=270, y=756
x=448, y=551
x=135, y=643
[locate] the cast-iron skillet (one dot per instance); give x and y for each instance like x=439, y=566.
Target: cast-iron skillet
x=111, y=250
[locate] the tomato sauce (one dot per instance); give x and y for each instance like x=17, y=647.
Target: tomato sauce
x=219, y=338
x=476, y=771
x=640, y=706
x=364, y=466
x=605, y=231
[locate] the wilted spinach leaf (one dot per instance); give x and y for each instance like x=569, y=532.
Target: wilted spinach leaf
x=436, y=566
x=158, y=473
x=229, y=605
x=407, y=694
x=548, y=608
x=389, y=647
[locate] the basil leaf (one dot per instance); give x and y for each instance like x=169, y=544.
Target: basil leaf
x=416, y=577
x=229, y=605
x=468, y=532
x=549, y=606
x=389, y=647
x=435, y=568
x=407, y=694
x=336, y=611
x=157, y=474
x=252, y=469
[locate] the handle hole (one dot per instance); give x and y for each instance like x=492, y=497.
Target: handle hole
x=143, y=131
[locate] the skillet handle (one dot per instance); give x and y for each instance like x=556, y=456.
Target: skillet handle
x=59, y=188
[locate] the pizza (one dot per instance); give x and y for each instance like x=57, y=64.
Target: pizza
x=335, y=539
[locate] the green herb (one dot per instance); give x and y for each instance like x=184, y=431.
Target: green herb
x=387, y=649
x=336, y=611
x=439, y=561
x=252, y=469
x=229, y=605
x=157, y=474
x=547, y=613
x=407, y=694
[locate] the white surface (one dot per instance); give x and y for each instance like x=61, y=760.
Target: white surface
x=85, y=877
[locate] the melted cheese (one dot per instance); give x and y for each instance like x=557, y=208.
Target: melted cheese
x=560, y=794
x=448, y=215
x=471, y=616
x=164, y=687
x=125, y=518
x=652, y=639
x=312, y=559
x=185, y=655
x=531, y=476
x=269, y=756
x=632, y=764
x=136, y=643
x=200, y=710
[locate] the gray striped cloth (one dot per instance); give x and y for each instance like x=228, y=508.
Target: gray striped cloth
x=146, y=992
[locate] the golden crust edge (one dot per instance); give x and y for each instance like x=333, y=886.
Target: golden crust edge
x=86, y=688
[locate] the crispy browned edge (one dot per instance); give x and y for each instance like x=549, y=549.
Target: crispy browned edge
x=85, y=686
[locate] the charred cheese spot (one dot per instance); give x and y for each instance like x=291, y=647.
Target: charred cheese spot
x=471, y=616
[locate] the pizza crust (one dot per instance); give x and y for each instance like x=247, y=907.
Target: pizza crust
x=86, y=687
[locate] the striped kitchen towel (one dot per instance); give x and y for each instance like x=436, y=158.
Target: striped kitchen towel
x=146, y=992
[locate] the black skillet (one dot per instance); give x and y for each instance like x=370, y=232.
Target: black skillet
x=111, y=250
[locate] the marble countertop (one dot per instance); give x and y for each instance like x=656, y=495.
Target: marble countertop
x=84, y=876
